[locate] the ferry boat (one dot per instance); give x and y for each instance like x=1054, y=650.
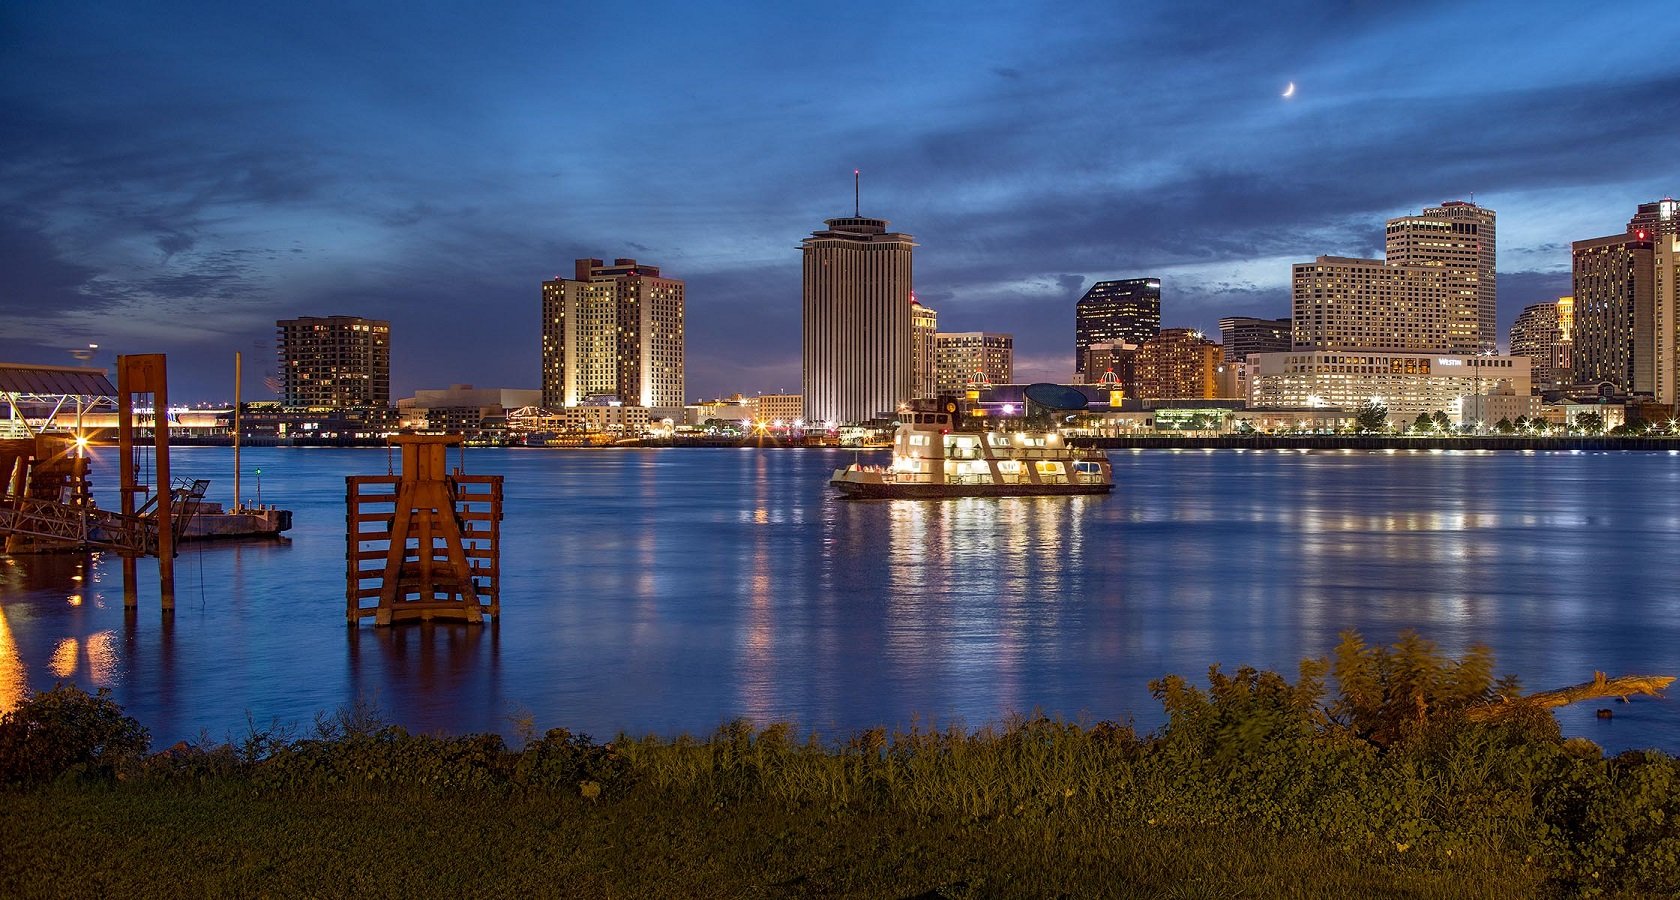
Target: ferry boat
x=934, y=456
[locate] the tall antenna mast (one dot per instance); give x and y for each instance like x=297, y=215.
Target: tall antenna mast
x=857, y=193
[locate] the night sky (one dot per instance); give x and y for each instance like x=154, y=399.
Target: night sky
x=174, y=177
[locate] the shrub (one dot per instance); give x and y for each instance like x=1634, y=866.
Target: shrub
x=65, y=731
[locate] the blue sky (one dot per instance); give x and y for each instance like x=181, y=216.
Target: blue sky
x=174, y=177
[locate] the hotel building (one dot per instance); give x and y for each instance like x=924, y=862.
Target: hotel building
x=1615, y=319
x=857, y=337
x=1341, y=303
x=612, y=332
x=1459, y=238
x=336, y=362
x=1116, y=312
x=1407, y=383
x=924, y=326
x=961, y=356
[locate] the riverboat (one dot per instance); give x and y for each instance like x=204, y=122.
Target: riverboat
x=934, y=456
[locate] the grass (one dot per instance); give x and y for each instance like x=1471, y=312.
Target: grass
x=220, y=840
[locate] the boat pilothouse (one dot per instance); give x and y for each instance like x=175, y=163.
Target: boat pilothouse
x=936, y=454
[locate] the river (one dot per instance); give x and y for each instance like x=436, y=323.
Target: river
x=671, y=590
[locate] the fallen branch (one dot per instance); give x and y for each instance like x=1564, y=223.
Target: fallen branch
x=1600, y=687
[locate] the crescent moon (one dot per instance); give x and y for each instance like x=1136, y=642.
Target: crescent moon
x=1289, y=91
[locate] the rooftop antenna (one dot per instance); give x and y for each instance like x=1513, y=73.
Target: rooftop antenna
x=857, y=193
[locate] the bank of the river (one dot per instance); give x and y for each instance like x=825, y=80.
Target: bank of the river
x=1150, y=441
x=1419, y=776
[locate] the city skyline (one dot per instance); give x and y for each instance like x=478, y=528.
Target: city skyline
x=229, y=168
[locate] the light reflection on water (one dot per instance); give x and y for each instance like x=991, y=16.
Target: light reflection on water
x=672, y=590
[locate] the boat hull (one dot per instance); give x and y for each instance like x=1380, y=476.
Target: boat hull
x=877, y=490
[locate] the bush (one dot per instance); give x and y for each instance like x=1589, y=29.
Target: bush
x=65, y=731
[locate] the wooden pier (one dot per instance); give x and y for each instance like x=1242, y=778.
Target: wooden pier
x=423, y=543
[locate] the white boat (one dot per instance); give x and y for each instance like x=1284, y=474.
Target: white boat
x=934, y=456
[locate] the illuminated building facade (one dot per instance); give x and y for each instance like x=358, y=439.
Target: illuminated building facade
x=1178, y=363
x=1116, y=312
x=856, y=342
x=924, y=326
x=1342, y=303
x=1406, y=383
x=778, y=408
x=1459, y=238
x=334, y=362
x=959, y=356
x=613, y=331
x=1242, y=335
x=1615, y=333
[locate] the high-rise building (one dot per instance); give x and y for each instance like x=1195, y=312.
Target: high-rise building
x=613, y=333
x=1178, y=363
x=1116, y=312
x=1659, y=220
x=1615, y=323
x=1536, y=334
x=965, y=356
x=338, y=362
x=1340, y=303
x=1459, y=237
x=924, y=326
x=1665, y=289
x=1242, y=335
x=856, y=353
x=1656, y=217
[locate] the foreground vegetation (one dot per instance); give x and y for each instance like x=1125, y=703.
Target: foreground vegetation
x=1398, y=783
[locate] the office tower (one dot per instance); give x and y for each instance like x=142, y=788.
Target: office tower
x=339, y=362
x=924, y=326
x=1101, y=359
x=857, y=333
x=1242, y=335
x=613, y=334
x=1615, y=339
x=1116, y=312
x=1340, y=303
x=1459, y=237
x=1535, y=334
x=965, y=356
x=1178, y=363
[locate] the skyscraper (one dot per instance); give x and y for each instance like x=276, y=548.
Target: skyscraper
x=1116, y=312
x=1537, y=335
x=857, y=353
x=613, y=332
x=1242, y=335
x=1460, y=237
x=960, y=357
x=1615, y=335
x=924, y=327
x=340, y=362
